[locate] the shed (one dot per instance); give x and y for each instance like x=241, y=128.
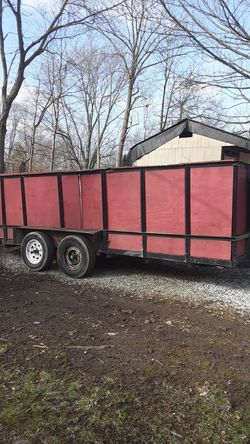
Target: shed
x=189, y=141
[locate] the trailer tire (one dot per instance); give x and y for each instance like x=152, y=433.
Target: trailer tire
x=37, y=251
x=76, y=256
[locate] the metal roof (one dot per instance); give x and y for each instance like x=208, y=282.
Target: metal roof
x=159, y=139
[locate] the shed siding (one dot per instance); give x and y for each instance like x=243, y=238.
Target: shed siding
x=185, y=149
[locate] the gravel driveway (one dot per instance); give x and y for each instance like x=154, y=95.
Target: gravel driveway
x=226, y=288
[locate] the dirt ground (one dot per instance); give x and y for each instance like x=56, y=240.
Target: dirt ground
x=91, y=366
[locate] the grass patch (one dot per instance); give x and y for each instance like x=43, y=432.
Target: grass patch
x=4, y=347
x=44, y=408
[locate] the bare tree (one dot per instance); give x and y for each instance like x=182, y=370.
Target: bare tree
x=168, y=89
x=15, y=134
x=134, y=32
x=52, y=85
x=56, y=75
x=91, y=112
x=101, y=86
x=69, y=14
x=183, y=97
x=221, y=30
x=41, y=105
x=18, y=138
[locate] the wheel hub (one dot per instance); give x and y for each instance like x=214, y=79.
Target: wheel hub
x=72, y=257
x=34, y=251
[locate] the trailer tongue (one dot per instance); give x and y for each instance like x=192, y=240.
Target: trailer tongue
x=190, y=213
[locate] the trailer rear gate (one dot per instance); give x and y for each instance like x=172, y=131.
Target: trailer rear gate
x=191, y=213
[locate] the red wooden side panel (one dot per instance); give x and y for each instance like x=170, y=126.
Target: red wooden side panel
x=71, y=202
x=123, y=195
x=165, y=201
x=126, y=242
x=92, y=201
x=1, y=216
x=242, y=201
x=42, y=202
x=210, y=249
x=13, y=201
x=172, y=246
x=1, y=233
x=211, y=201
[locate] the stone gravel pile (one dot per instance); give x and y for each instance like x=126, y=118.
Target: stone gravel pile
x=226, y=288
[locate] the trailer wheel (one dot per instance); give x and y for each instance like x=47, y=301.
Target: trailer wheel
x=37, y=251
x=75, y=256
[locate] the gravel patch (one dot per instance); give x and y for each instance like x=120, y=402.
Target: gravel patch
x=226, y=288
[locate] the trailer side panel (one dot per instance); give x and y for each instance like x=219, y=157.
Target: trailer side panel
x=42, y=201
x=211, y=201
x=123, y=200
x=13, y=201
x=71, y=202
x=165, y=201
x=91, y=190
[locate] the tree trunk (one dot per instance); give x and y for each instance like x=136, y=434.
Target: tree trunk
x=3, y=131
x=98, y=160
x=56, y=116
x=32, y=148
x=52, y=157
x=125, y=123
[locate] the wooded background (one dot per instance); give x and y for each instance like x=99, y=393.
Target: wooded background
x=82, y=81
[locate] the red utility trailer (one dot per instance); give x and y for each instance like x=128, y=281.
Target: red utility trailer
x=190, y=213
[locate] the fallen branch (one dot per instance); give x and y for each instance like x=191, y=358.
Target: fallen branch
x=89, y=347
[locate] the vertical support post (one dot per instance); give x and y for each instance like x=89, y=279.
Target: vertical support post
x=23, y=201
x=234, y=214
x=80, y=199
x=248, y=207
x=60, y=198
x=3, y=211
x=187, y=214
x=104, y=210
x=143, y=213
